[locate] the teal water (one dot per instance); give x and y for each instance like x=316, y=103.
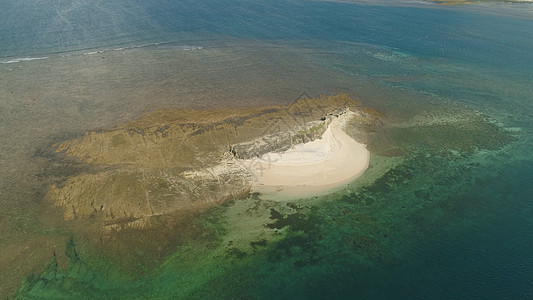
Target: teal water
x=450, y=219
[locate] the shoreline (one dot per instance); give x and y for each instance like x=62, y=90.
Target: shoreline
x=314, y=168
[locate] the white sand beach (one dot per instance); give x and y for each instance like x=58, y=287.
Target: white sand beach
x=312, y=168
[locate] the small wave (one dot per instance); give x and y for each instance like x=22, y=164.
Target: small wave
x=16, y=60
x=191, y=48
x=163, y=44
x=169, y=44
x=92, y=52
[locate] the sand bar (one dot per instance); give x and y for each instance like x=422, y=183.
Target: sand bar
x=312, y=168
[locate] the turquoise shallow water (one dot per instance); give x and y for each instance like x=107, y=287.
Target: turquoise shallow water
x=452, y=220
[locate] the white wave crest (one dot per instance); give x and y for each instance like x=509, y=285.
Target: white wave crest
x=16, y=60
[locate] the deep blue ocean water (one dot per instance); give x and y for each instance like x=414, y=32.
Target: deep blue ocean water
x=474, y=242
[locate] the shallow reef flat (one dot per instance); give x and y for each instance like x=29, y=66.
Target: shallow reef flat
x=410, y=189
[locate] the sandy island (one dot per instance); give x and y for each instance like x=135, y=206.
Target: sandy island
x=313, y=168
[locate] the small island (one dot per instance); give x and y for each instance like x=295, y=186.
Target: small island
x=182, y=159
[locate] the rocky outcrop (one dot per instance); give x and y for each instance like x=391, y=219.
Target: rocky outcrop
x=181, y=159
x=280, y=141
